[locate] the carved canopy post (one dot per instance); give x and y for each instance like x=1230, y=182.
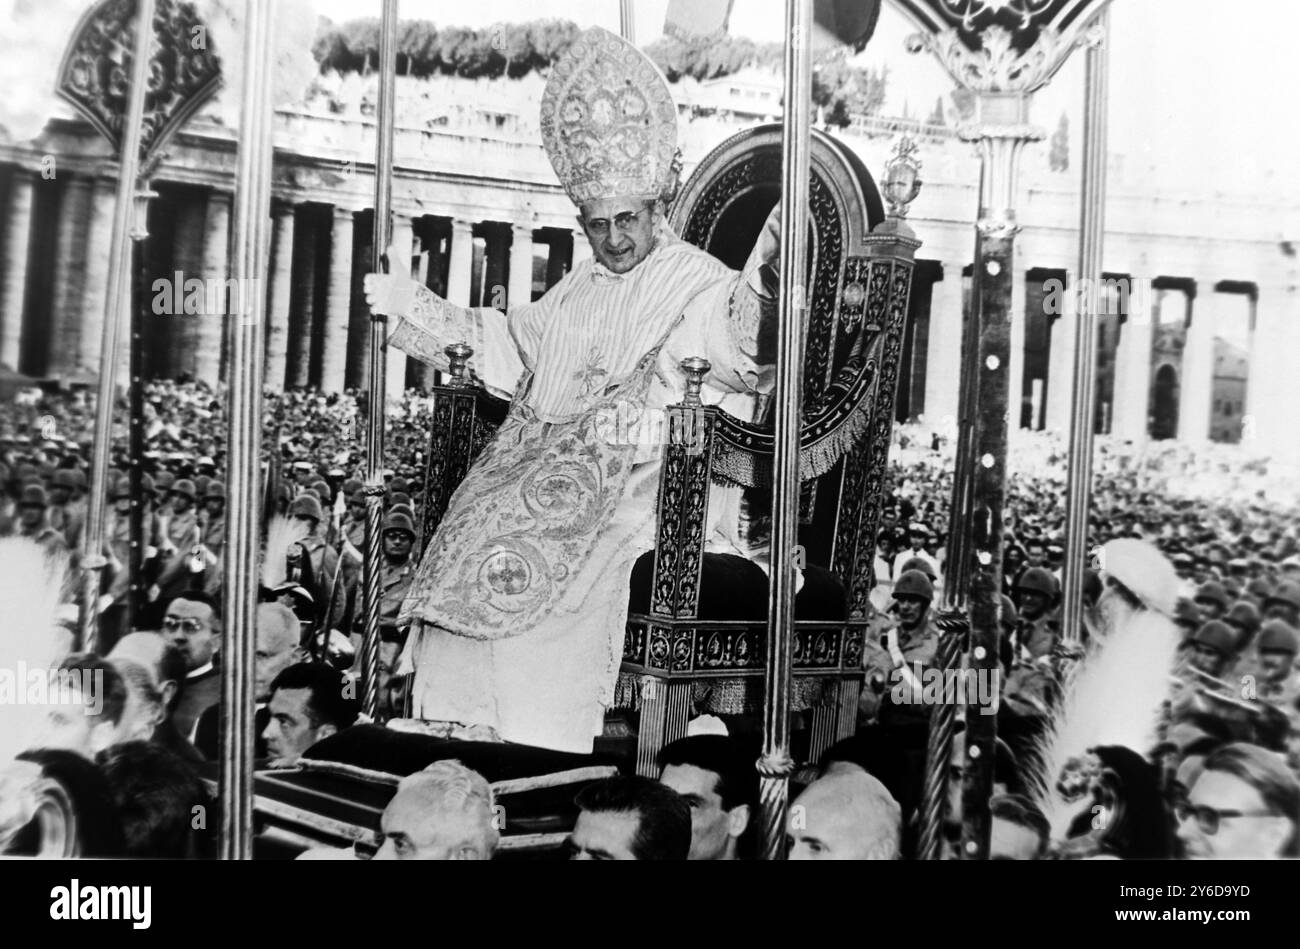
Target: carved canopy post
x=1002, y=51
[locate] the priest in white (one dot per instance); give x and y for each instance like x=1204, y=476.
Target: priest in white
x=519, y=606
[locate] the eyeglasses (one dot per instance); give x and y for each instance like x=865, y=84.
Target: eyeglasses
x=622, y=222
x=1208, y=818
x=189, y=624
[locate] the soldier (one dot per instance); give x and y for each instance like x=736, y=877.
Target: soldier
x=324, y=559
x=214, y=518
x=33, y=521
x=67, y=511
x=917, y=535
x=1212, y=648
x=1212, y=600
x=1037, y=596
x=1245, y=619
x=395, y=578
x=894, y=658
x=1277, y=647
x=179, y=533
x=1284, y=603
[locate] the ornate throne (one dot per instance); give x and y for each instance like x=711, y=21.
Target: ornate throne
x=696, y=632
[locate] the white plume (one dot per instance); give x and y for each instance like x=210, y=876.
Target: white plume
x=31, y=585
x=1115, y=696
x=280, y=534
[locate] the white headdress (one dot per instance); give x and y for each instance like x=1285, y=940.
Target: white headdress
x=609, y=122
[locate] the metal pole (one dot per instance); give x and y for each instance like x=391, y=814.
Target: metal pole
x=117, y=302
x=1001, y=131
x=626, y=25
x=1092, y=228
x=246, y=322
x=139, y=232
x=775, y=765
x=378, y=358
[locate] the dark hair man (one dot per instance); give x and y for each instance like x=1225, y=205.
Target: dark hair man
x=309, y=702
x=159, y=797
x=192, y=623
x=630, y=817
x=1019, y=829
x=719, y=783
x=1244, y=805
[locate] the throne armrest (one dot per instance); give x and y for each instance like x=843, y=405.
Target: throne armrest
x=683, y=505
x=464, y=419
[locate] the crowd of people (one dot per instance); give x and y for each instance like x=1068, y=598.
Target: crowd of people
x=1221, y=780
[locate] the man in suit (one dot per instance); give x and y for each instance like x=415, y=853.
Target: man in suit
x=277, y=649
x=310, y=701
x=192, y=623
x=718, y=781
x=154, y=699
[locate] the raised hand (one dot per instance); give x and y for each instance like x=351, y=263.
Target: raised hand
x=389, y=294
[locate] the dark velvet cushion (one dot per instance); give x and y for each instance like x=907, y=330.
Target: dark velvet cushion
x=734, y=588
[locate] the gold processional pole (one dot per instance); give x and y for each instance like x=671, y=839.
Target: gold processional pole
x=1092, y=230
x=776, y=765
x=379, y=357
x=249, y=252
x=118, y=299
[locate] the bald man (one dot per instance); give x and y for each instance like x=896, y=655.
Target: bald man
x=845, y=815
x=155, y=698
x=278, y=648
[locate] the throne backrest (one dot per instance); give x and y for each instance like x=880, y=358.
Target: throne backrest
x=857, y=307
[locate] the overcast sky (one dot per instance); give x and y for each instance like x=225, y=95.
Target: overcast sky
x=1197, y=97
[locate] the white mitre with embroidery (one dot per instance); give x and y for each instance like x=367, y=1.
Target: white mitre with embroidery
x=609, y=122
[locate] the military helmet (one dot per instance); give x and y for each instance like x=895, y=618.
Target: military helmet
x=1278, y=636
x=1218, y=635
x=215, y=489
x=1039, y=580
x=165, y=479
x=913, y=583
x=306, y=505
x=64, y=478
x=1244, y=614
x=1213, y=592
x=398, y=521
x=1288, y=591
x=33, y=496
x=186, y=487
x=921, y=564
x=1009, y=612
x=322, y=490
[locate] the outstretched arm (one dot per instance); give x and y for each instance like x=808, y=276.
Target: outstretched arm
x=425, y=324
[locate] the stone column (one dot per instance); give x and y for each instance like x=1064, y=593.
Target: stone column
x=334, y=353
x=212, y=320
x=277, y=327
x=560, y=251
x=943, y=354
x=99, y=238
x=520, y=289
x=18, y=236
x=1197, y=391
x=1133, y=363
x=461, y=265
x=180, y=331
x=1060, y=362
x=403, y=239
x=1273, y=388
x=69, y=276
x=298, y=364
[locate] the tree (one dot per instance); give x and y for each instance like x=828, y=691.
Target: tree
x=1058, y=158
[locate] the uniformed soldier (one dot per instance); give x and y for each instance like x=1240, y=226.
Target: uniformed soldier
x=67, y=511
x=214, y=518
x=1276, y=648
x=1284, y=603
x=1245, y=619
x=396, y=575
x=894, y=656
x=1037, y=596
x=1212, y=600
x=354, y=519
x=180, y=532
x=33, y=522
x=326, y=578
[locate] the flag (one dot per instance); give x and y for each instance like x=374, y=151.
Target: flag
x=692, y=19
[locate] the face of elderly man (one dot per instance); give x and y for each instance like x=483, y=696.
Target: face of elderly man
x=621, y=231
x=277, y=640
x=428, y=821
x=846, y=815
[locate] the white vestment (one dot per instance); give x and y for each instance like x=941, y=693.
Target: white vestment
x=548, y=682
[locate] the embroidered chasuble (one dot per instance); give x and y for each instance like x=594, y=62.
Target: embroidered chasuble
x=519, y=605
